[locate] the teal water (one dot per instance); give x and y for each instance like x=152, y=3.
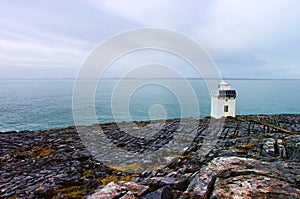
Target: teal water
x=46, y=104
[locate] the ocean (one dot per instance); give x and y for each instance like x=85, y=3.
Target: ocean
x=36, y=104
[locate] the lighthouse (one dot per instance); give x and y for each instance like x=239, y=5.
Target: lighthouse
x=223, y=101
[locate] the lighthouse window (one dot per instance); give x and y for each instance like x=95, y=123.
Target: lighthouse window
x=227, y=93
x=225, y=109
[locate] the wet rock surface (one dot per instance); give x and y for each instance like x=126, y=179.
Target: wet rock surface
x=242, y=158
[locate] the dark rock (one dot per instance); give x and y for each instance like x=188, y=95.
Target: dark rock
x=165, y=192
x=176, y=183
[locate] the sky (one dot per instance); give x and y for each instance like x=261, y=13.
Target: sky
x=245, y=39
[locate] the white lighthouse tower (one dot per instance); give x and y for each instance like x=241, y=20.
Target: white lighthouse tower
x=223, y=101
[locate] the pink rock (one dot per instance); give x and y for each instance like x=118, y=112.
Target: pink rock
x=111, y=190
x=128, y=190
x=241, y=177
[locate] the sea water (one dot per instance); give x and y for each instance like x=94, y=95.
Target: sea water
x=45, y=104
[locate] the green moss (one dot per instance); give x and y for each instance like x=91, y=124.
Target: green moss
x=109, y=179
x=88, y=173
x=113, y=178
x=39, y=151
x=73, y=192
x=128, y=177
x=45, y=152
x=246, y=146
x=12, y=197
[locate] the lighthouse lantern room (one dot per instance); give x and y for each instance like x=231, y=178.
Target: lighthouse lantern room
x=223, y=101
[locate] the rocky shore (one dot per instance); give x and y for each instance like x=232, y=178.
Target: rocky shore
x=255, y=156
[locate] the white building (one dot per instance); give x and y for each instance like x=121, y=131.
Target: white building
x=223, y=101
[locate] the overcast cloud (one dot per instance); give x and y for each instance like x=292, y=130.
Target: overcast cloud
x=246, y=39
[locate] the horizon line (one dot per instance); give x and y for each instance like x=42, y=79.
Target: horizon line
x=116, y=78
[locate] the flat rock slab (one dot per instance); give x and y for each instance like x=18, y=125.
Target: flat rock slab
x=228, y=158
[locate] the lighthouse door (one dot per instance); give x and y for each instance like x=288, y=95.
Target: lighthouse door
x=226, y=110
